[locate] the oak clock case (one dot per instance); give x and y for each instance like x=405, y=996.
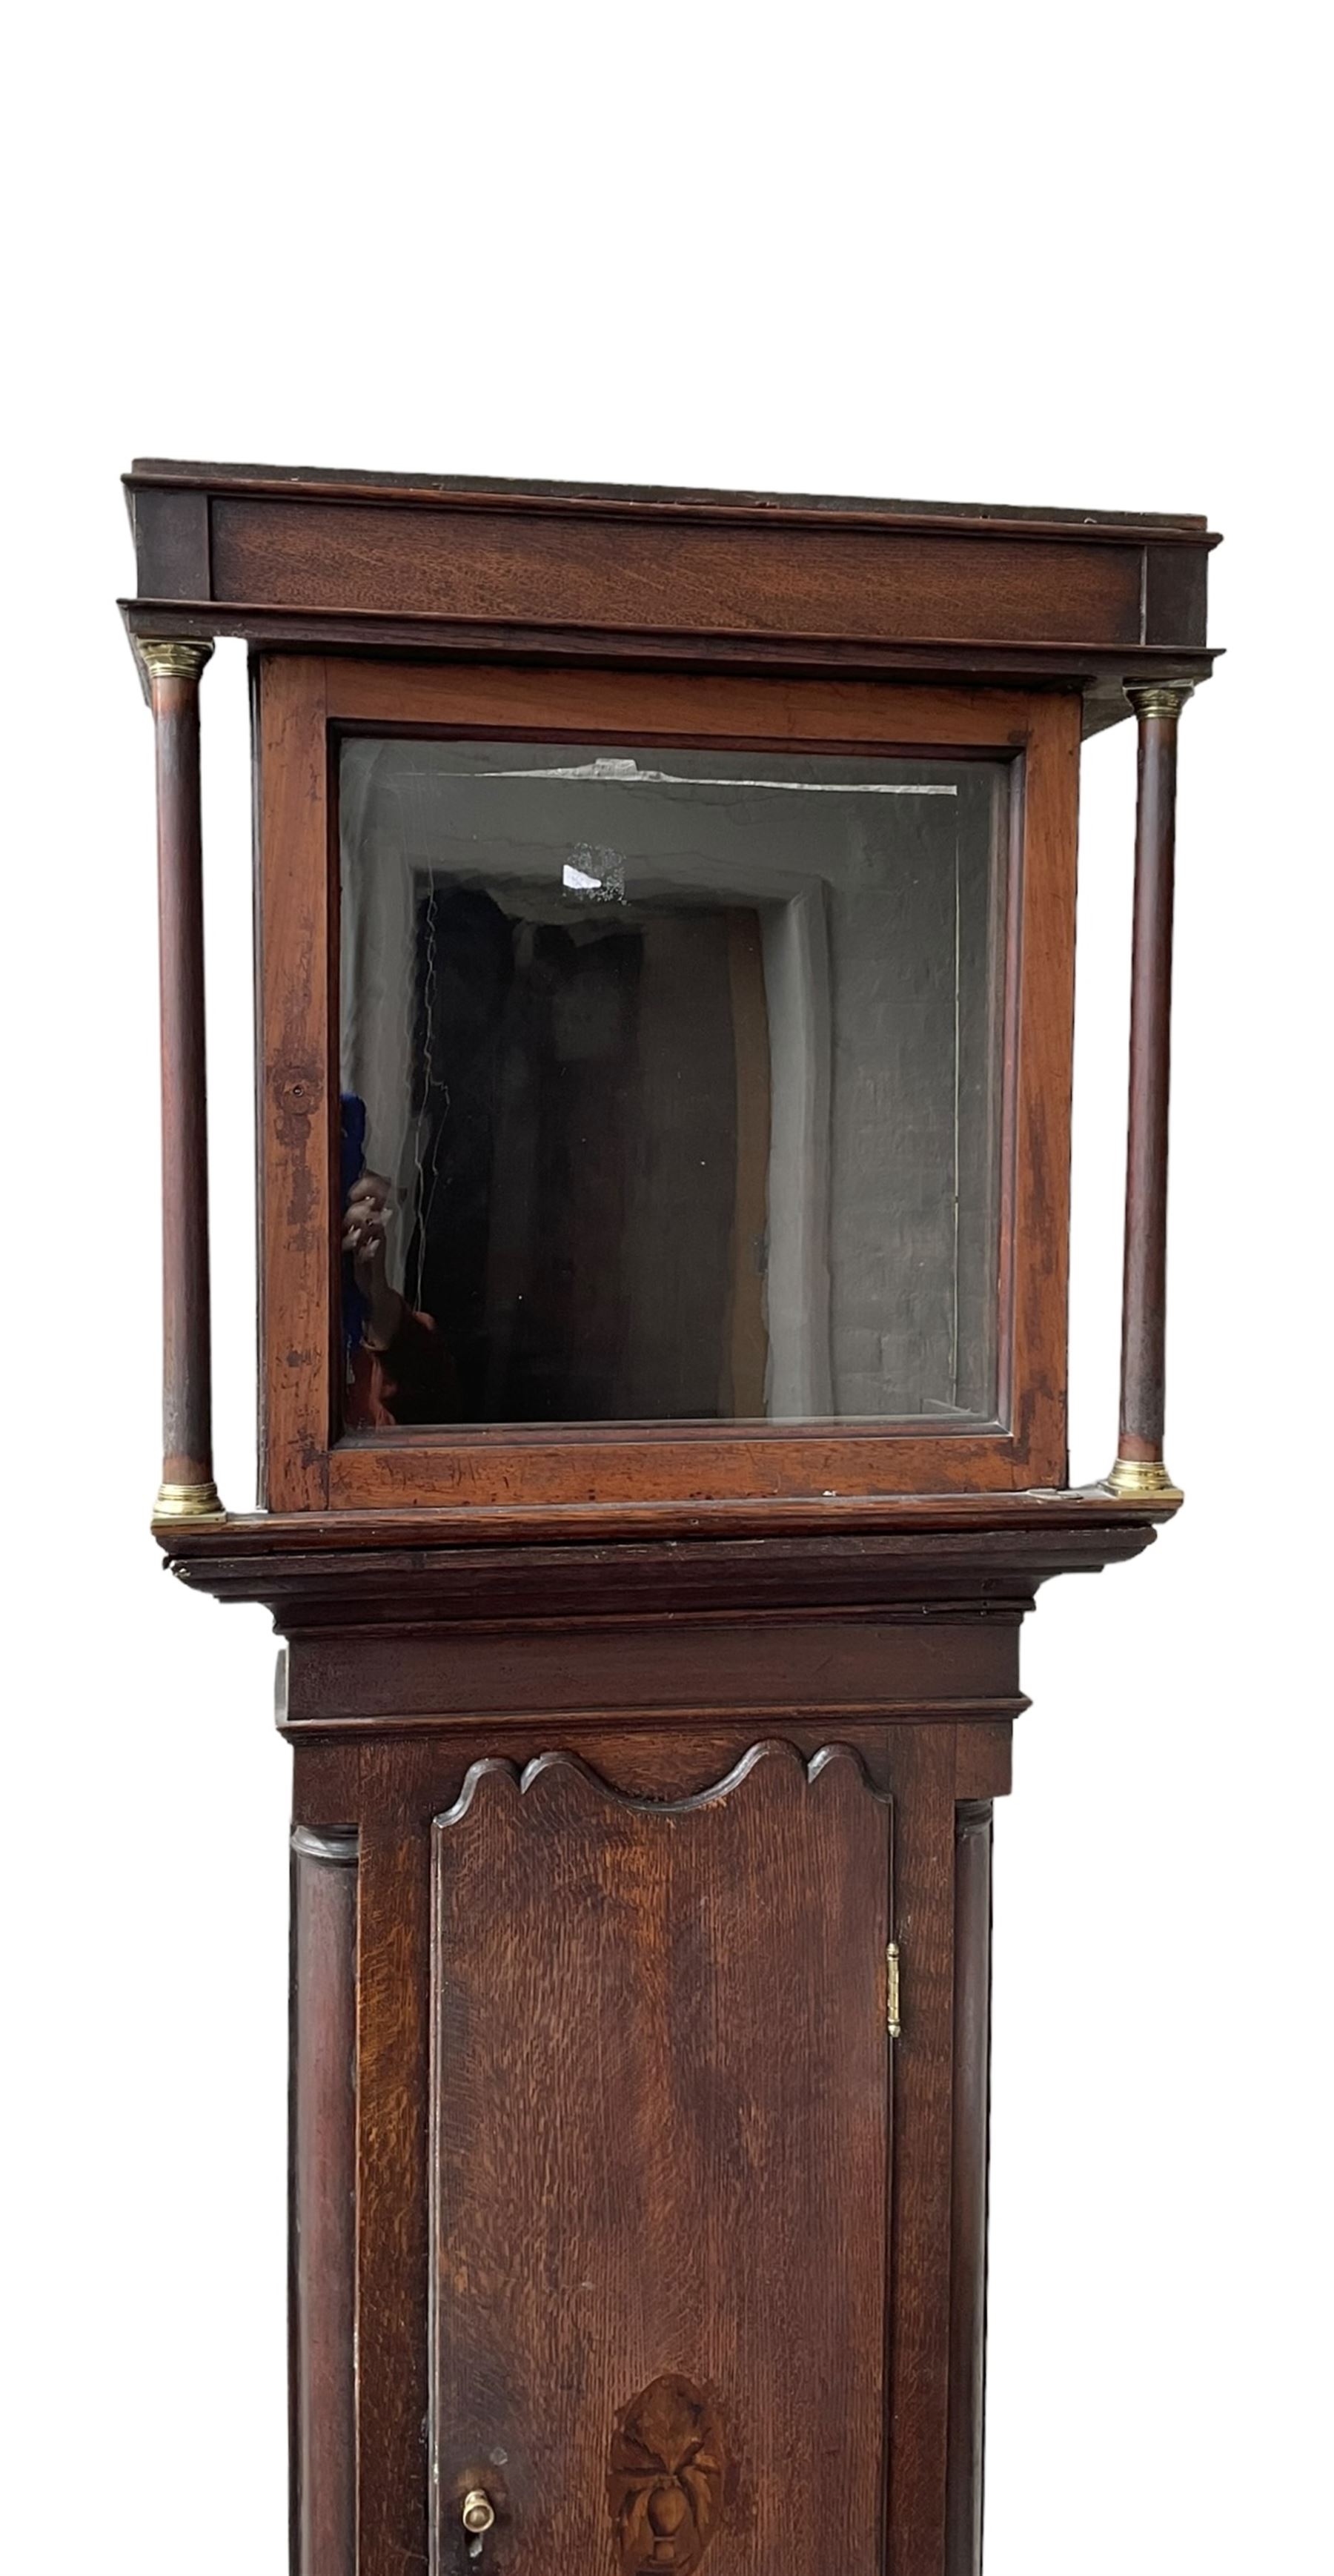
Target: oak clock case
x=665, y=961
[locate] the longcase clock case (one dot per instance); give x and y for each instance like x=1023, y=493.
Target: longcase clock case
x=665, y=966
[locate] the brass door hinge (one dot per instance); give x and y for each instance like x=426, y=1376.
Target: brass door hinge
x=893, y=2021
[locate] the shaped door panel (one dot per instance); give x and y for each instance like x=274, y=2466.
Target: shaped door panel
x=660, y=2170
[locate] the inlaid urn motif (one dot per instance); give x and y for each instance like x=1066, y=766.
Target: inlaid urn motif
x=666, y=2477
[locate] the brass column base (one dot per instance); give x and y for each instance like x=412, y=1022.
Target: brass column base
x=1142, y=1480
x=188, y=1503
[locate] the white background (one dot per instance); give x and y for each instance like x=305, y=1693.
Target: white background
x=1046, y=256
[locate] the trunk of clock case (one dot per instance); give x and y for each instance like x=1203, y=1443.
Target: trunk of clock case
x=658, y=2237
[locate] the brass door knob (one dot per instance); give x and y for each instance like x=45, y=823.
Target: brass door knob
x=478, y=2511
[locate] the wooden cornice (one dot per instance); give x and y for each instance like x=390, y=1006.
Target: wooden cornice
x=440, y=566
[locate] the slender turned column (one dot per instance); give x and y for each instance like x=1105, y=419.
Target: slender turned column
x=1139, y=1470
x=323, y=2201
x=187, y=1491
x=968, y=2187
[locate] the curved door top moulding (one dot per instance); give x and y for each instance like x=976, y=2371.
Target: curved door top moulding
x=531, y=1774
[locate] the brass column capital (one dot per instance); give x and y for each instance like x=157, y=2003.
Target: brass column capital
x=172, y=657
x=1160, y=701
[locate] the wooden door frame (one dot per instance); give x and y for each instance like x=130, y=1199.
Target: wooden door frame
x=399, y=1793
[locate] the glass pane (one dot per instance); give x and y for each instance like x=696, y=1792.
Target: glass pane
x=670, y=1084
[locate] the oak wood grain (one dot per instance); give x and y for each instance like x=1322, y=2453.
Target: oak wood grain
x=396, y=1790
x=919, y=2333
x=296, y=947
x=968, y=2218
x=612, y=572
x=687, y=1999
x=650, y=1669
x=323, y=2200
x=392, y=2110
x=682, y=707
x=1039, y=1071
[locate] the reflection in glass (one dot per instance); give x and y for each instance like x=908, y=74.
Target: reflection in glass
x=670, y=1084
